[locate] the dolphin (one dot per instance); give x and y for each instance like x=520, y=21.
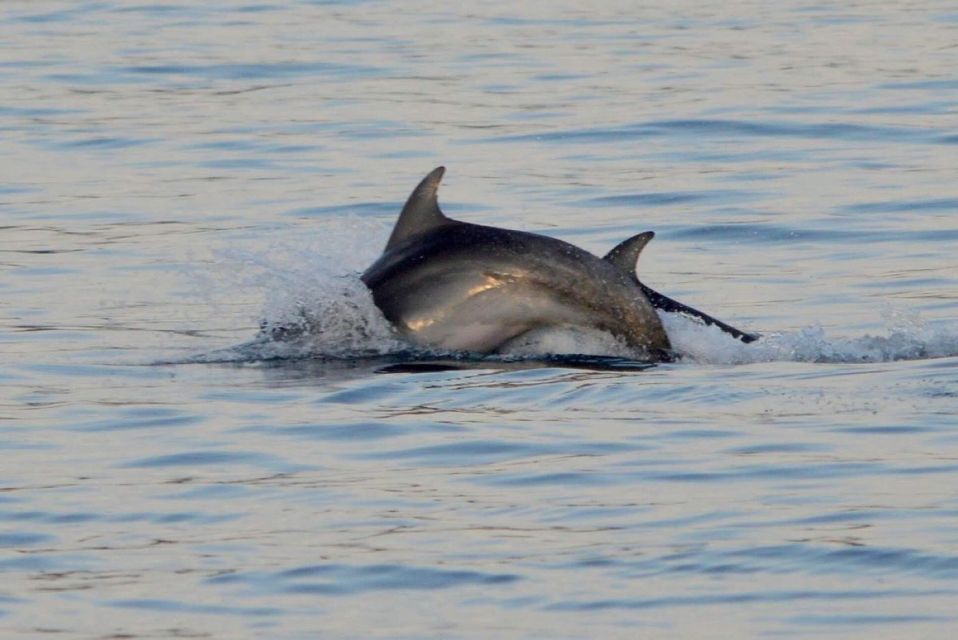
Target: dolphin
x=468, y=287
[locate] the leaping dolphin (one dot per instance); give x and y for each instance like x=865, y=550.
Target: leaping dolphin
x=469, y=287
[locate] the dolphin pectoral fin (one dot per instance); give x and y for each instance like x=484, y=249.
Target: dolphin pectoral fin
x=666, y=303
x=421, y=212
x=625, y=255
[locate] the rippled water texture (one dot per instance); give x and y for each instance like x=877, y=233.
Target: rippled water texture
x=173, y=174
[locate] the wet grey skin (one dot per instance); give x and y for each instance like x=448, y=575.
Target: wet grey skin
x=468, y=287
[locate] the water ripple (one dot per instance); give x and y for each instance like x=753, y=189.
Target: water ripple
x=896, y=206
x=706, y=128
x=251, y=71
x=729, y=598
x=202, y=458
x=179, y=606
x=668, y=198
x=343, y=579
x=466, y=453
x=23, y=539
x=791, y=558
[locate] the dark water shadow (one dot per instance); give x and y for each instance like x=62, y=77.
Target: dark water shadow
x=550, y=361
x=289, y=369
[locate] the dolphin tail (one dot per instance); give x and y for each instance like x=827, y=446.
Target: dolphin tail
x=625, y=256
x=666, y=303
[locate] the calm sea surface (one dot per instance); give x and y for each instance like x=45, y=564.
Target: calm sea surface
x=175, y=173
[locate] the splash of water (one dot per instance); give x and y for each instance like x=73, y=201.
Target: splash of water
x=316, y=306
x=901, y=341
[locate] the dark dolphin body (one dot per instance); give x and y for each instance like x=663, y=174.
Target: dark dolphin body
x=470, y=287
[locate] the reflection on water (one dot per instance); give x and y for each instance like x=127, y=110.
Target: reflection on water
x=176, y=173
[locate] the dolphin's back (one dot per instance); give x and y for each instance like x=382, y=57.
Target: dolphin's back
x=470, y=287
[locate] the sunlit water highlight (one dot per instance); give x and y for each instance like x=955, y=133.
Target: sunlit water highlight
x=174, y=174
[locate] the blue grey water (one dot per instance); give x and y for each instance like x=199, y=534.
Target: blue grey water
x=174, y=173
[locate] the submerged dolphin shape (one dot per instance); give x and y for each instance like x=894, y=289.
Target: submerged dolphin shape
x=462, y=286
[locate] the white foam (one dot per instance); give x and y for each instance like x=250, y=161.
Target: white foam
x=909, y=340
x=310, y=287
x=568, y=341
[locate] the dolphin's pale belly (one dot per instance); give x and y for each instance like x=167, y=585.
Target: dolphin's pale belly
x=473, y=307
x=481, y=311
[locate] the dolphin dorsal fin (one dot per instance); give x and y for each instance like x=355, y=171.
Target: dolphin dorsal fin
x=625, y=256
x=421, y=211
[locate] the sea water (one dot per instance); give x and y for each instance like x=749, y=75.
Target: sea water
x=176, y=174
